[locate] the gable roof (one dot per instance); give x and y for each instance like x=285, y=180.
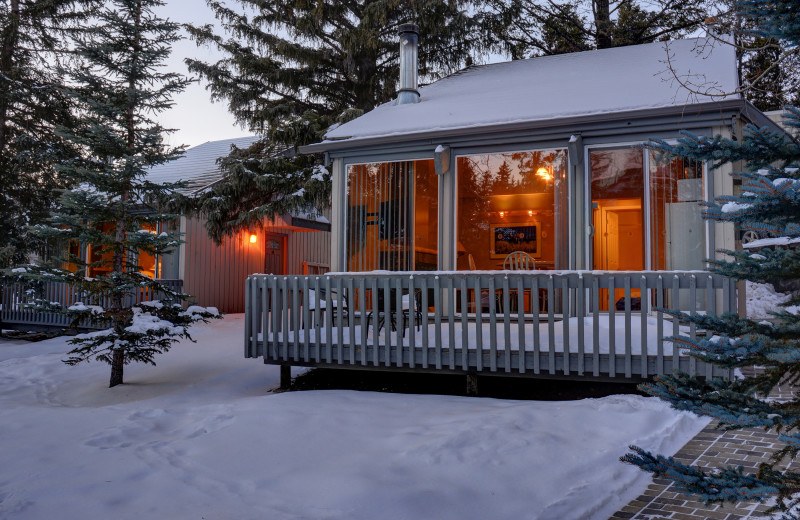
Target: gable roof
x=198, y=165
x=199, y=169
x=590, y=83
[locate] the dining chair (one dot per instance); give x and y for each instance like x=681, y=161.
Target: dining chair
x=519, y=261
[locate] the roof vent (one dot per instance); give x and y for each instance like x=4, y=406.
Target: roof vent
x=409, y=43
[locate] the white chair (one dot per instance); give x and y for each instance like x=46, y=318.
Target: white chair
x=519, y=261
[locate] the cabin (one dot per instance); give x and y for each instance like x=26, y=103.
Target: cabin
x=214, y=274
x=506, y=219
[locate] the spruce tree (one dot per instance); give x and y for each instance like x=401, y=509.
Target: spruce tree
x=34, y=36
x=294, y=68
x=527, y=28
x=113, y=208
x=773, y=87
x=769, y=70
x=769, y=201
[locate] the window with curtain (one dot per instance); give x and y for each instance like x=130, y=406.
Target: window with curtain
x=392, y=216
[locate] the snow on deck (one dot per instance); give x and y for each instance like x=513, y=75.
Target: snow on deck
x=604, y=327
x=579, y=84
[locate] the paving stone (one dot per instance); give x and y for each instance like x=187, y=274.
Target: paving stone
x=671, y=501
x=684, y=516
x=655, y=513
x=711, y=447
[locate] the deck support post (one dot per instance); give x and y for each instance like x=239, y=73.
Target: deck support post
x=286, y=377
x=472, y=385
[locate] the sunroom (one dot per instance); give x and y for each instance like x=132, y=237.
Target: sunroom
x=506, y=219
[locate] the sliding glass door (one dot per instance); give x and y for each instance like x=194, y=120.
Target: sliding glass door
x=646, y=212
x=392, y=216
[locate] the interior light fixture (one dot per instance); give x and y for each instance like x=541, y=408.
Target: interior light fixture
x=253, y=239
x=544, y=173
x=502, y=214
x=530, y=212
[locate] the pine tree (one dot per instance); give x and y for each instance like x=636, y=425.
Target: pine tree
x=769, y=72
x=118, y=88
x=529, y=28
x=769, y=201
x=762, y=61
x=293, y=69
x=502, y=182
x=34, y=35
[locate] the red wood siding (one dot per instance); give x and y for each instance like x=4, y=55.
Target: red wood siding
x=215, y=274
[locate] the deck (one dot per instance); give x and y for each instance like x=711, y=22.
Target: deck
x=555, y=324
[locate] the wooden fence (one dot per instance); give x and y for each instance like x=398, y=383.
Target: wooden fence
x=15, y=296
x=537, y=323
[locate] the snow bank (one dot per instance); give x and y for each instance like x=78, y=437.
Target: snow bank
x=762, y=298
x=199, y=436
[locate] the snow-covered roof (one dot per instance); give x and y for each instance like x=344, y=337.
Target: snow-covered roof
x=580, y=84
x=198, y=166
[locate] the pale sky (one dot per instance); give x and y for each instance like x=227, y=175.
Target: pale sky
x=195, y=118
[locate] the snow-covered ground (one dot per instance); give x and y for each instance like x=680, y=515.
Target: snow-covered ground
x=200, y=437
x=762, y=300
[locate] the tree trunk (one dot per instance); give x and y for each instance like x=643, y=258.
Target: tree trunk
x=118, y=358
x=9, y=46
x=602, y=23
x=117, y=367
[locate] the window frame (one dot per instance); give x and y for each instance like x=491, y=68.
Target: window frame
x=708, y=191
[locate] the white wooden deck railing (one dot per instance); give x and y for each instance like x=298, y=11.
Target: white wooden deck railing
x=554, y=323
x=14, y=296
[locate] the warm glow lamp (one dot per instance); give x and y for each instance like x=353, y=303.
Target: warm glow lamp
x=253, y=239
x=544, y=173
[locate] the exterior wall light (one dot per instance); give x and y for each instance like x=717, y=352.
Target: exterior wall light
x=253, y=239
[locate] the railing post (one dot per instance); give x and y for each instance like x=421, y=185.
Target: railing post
x=286, y=377
x=472, y=384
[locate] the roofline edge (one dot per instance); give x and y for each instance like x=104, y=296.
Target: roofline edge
x=450, y=133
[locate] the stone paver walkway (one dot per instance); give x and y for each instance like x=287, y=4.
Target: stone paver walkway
x=709, y=448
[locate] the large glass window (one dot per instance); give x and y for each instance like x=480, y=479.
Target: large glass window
x=618, y=209
x=676, y=235
x=677, y=227
x=392, y=216
x=643, y=202
x=507, y=204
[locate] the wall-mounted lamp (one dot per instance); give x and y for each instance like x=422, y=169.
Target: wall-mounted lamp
x=253, y=239
x=530, y=212
x=502, y=214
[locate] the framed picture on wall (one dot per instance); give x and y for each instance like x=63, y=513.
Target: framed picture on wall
x=507, y=238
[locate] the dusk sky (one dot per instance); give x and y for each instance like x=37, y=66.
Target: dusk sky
x=195, y=118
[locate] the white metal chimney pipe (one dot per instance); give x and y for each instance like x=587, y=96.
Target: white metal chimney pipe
x=409, y=43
